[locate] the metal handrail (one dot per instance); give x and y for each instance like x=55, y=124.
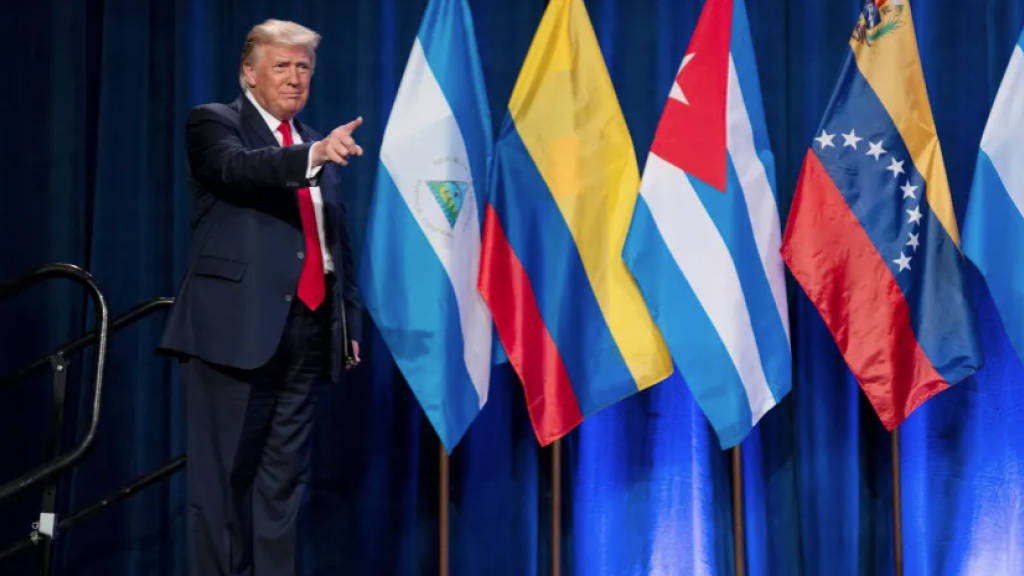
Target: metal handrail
x=130, y=317
x=41, y=537
x=102, y=333
x=125, y=491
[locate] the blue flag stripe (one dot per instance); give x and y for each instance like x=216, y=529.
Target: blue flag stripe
x=741, y=47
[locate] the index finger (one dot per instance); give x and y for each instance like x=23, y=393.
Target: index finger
x=351, y=126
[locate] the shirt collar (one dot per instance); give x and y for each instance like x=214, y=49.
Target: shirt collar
x=272, y=122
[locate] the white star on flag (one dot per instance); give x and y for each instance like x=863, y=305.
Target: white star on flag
x=825, y=139
x=913, y=242
x=915, y=215
x=851, y=139
x=876, y=150
x=896, y=168
x=677, y=91
x=909, y=191
x=903, y=261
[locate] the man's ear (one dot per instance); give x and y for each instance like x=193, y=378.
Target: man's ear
x=250, y=75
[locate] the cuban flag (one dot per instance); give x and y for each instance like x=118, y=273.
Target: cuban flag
x=422, y=246
x=705, y=236
x=994, y=225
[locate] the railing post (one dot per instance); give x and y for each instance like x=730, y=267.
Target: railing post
x=46, y=526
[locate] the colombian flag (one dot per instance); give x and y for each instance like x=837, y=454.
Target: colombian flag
x=565, y=181
x=872, y=237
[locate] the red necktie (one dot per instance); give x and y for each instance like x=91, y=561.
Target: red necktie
x=311, y=282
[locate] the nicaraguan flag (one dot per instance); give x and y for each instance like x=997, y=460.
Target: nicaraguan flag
x=422, y=246
x=994, y=225
x=704, y=241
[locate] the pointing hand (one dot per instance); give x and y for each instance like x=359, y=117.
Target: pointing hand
x=338, y=145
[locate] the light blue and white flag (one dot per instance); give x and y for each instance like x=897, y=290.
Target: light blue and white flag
x=422, y=246
x=994, y=225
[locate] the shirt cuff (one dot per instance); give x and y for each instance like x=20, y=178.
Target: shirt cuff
x=311, y=171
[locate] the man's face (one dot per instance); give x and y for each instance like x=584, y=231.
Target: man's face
x=279, y=79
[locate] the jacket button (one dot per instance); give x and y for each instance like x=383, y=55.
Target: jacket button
x=288, y=298
x=300, y=255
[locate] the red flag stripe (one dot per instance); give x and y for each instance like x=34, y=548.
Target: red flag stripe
x=505, y=286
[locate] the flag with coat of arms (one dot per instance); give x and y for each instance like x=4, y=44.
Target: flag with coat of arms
x=872, y=237
x=422, y=246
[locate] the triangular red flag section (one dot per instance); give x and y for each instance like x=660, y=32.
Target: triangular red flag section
x=691, y=134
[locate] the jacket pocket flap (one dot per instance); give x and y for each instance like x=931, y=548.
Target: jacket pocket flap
x=219, y=268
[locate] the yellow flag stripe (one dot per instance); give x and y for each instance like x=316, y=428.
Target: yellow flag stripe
x=565, y=110
x=892, y=66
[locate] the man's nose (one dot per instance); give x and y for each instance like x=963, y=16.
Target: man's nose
x=293, y=75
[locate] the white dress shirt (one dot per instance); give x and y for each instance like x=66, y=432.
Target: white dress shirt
x=314, y=191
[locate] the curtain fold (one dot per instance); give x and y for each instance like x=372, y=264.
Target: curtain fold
x=95, y=174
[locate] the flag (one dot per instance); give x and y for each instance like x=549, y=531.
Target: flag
x=705, y=237
x=422, y=246
x=872, y=237
x=994, y=225
x=564, y=182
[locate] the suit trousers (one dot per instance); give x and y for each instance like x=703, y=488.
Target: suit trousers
x=249, y=445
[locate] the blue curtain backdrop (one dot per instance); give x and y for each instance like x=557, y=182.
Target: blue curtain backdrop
x=94, y=174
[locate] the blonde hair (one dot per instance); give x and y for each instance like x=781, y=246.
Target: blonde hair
x=277, y=32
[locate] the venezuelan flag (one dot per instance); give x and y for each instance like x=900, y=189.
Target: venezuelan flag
x=872, y=237
x=564, y=184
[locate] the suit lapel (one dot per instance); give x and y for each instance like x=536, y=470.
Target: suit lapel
x=255, y=121
x=306, y=134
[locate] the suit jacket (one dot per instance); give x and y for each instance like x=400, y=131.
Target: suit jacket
x=247, y=242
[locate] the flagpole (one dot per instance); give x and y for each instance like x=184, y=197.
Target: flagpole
x=556, y=507
x=738, y=527
x=897, y=505
x=443, y=499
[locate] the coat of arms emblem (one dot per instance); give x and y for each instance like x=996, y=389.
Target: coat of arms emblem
x=443, y=194
x=878, y=19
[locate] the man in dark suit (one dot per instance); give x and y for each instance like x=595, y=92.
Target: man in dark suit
x=266, y=309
